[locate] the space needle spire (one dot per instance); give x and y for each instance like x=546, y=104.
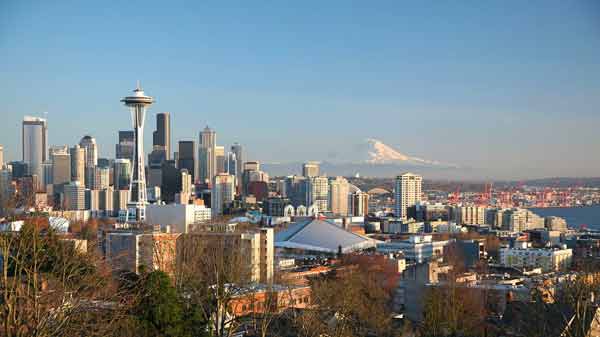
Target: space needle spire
x=136, y=205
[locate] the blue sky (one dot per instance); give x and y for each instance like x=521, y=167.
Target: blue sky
x=508, y=85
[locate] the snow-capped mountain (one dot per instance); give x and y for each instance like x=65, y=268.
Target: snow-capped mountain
x=380, y=153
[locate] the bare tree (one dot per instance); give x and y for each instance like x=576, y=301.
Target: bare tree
x=211, y=271
x=49, y=288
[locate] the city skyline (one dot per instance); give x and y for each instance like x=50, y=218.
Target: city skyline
x=516, y=96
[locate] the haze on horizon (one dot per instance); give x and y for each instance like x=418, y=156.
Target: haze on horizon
x=510, y=87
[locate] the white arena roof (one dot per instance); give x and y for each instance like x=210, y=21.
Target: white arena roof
x=321, y=236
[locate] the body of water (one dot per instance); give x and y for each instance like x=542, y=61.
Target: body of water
x=575, y=216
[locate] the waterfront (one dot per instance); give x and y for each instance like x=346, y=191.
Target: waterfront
x=575, y=216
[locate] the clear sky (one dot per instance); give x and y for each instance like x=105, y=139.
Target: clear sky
x=509, y=85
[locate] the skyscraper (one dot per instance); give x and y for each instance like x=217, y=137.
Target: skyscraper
x=310, y=169
x=161, y=149
x=61, y=168
x=232, y=165
x=124, y=149
x=74, y=196
x=137, y=104
x=78, y=164
x=222, y=192
x=359, y=203
x=161, y=138
x=170, y=181
x=47, y=175
x=317, y=193
x=91, y=159
x=1, y=156
x=101, y=178
x=295, y=190
x=338, y=196
x=35, y=143
x=407, y=193
x=121, y=174
x=237, y=149
x=220, y=159
x=207, y=154
x=187, y=158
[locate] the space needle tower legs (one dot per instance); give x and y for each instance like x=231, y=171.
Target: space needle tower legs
x=136, y=205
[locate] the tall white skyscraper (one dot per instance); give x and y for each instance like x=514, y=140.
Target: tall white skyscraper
x=137, y=104
x=407, y=193
x=1, y=156
x=207, y=154
x=91, y=159
x=35, y=143
x=222, y=193
x=338, y=196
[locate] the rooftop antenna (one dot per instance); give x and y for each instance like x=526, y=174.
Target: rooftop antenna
x=138, y=87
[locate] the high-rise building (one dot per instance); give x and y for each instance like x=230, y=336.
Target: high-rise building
x=310, y=169
x=154, y=174
x=317, y=193
x=186, y=187
x=35, y=143
x=106, y=201
x=170, y=181
x=47, y=177
x=101, y=179
x=161, y=138
x=78, y=164
x=295, y=190
x=232, y=166
x=187, y=158
x=222, y=193
x=124, y=149
x=220, y=159
x=137, y=104
x=121, y=174
x=238, y=150
x=407, y=193
x=91, y=158
x=338, y=196
x=359, y=203
x=5, y=182
x=252, y=174
x=161, y=149
x=61, y=168
x=1, y=156
x=57, y=149
x=74, y=196
x=207, y=154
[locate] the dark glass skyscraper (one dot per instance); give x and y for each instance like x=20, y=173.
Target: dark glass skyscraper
x=187, y=157
x=124, y=149
x=161, y=138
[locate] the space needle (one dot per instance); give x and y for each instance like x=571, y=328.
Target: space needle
x=136, y=206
